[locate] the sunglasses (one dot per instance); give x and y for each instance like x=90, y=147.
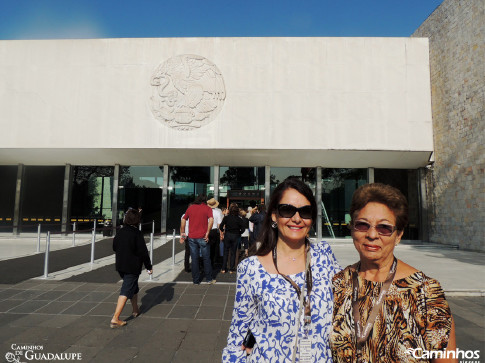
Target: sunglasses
x=288, y=211
x=382, y=228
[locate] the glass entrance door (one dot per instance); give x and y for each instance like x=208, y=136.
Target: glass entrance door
x=141, y=188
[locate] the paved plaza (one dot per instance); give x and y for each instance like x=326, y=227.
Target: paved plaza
x=69, y=311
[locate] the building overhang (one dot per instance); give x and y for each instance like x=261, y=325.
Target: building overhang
x=225, y=157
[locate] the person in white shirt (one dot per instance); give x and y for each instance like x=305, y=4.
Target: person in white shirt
x=214, y=236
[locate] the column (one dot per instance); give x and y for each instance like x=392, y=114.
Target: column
x=318, y=197
x=18, y=189
x=216, y=182
x=114, y=202
x=66, y=199
x=370, y=175
x=423, y=233
x=267, y=184
x=164, y=212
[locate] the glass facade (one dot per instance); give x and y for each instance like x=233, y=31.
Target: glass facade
x=41, y=197
x=185, y=184
x=91, y=194
x=308, y=175
x=8, y=183
x=243, y=185
x=338, y=186
x=406, y=180
x=141, y=187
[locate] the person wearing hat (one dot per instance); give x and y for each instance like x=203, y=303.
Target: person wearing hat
x=214, y=236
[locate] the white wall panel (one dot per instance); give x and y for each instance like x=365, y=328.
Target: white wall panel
x=320, y=94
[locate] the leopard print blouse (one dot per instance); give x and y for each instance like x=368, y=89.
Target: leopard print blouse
x=416, y=315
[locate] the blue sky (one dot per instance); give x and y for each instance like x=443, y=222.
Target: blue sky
x=60, y=19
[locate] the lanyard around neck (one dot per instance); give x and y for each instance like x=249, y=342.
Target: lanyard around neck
x=308, y=280
x=362, y=332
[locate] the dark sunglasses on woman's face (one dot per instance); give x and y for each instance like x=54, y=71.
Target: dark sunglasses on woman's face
x=382, y=228
x=288, y=211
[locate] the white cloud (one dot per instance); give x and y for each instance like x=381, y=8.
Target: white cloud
x=47, y=23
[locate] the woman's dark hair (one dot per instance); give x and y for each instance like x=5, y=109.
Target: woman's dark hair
x=384, y=194
x=201, y=199
x=234, y=209
x=132, y=217
x=268, y=235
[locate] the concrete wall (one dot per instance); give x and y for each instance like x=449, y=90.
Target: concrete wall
x=335, y=102
x=456, y=182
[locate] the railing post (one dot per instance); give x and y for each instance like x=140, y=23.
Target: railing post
x=173, y=248
x=38, y=238
x=46, y=258
x=153, y=227
x=139, y=226
x=93, y=239
x=74, y=234
x=151, y=254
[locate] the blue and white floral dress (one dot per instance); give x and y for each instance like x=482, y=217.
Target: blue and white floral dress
x=268, y=305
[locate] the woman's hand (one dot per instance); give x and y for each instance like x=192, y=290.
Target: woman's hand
x=149, y=272
x=248, y=350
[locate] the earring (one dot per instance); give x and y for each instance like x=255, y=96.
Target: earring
x=274, y=225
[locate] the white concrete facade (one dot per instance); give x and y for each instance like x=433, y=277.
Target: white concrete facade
x=331, y=102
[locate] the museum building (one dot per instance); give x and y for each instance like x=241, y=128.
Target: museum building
x=91, y=127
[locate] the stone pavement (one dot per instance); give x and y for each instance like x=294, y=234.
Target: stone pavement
x=182, y=322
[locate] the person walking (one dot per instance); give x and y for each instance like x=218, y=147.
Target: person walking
x=186, y=245
x=201, y=220
x=131, y=253
x=233, y=226
x=214, y=235
x=257, y=218
x=245, y=235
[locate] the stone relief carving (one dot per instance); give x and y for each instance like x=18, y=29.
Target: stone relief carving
x=187, y=92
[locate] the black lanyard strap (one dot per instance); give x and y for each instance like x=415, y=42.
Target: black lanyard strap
x=362, y=332
x=308, y=280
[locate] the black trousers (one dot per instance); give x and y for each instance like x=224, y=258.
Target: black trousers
x=214, y=240
x=187, y=255
x=230, y=244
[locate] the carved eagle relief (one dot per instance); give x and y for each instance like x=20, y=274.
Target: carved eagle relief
x=187, y=92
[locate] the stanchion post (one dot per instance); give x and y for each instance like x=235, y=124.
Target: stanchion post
x=151, y=254
x=153, y=227
x=46, y=257
x=139, y=226
x=74, y=234
x=38, y=238
x=93, y=239
x=173, y=248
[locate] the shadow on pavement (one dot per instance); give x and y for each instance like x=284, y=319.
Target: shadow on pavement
x=15, y=270
x=156, y=295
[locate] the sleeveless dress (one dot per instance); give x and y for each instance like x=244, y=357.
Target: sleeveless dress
x=268, y=305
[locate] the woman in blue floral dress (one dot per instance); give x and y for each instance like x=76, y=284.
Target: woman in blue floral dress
x=273, y=284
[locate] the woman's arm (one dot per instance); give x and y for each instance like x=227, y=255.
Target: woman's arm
x=451, y=346
x=440, y=327
x=244, y=311
x=223, y=223
x=142, y=252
